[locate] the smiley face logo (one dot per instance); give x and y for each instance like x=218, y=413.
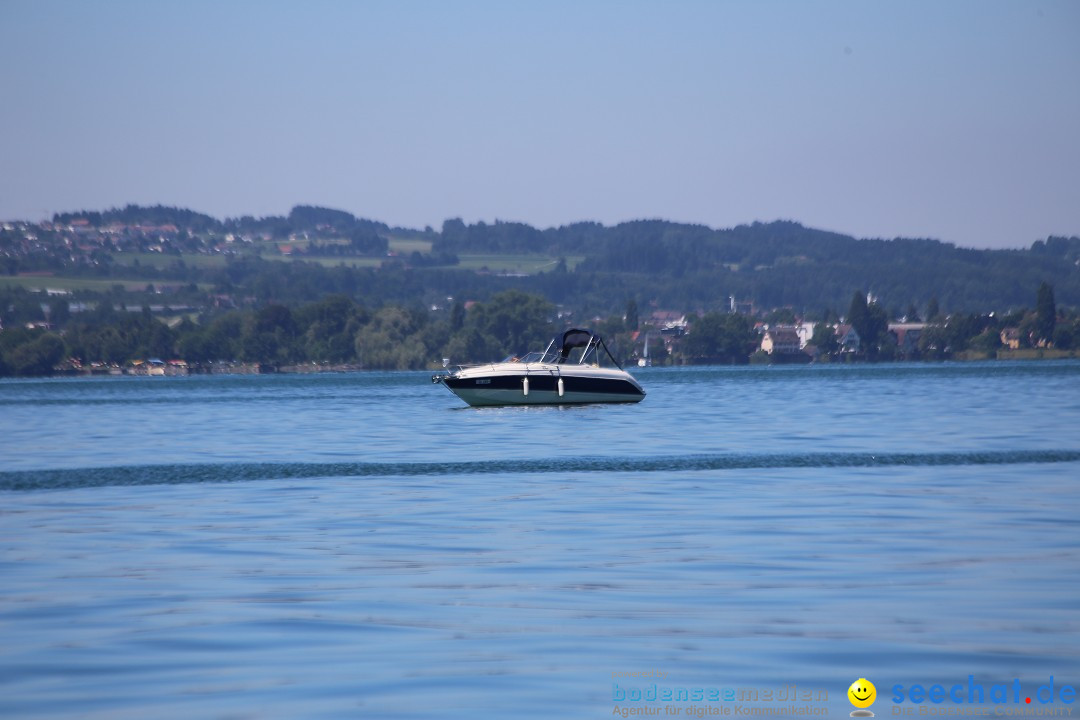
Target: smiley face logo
x=862, y=693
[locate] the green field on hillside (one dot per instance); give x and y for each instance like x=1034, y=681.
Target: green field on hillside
x=524, y=264
x=406, y=246
x=494, y=263
x=160, y=261
x=69, y=284
x=353, y=262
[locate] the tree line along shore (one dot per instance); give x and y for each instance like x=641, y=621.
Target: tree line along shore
x=337, y=333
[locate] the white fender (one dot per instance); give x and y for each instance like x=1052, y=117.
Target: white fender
x=525, y=387
x=562, y=389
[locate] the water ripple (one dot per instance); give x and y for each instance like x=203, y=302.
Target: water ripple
x=177, y=474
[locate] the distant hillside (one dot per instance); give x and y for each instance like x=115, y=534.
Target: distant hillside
x=302, y=218
x=656, y=262
x=156, y=215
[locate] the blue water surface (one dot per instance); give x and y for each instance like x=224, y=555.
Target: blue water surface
x=364, y=545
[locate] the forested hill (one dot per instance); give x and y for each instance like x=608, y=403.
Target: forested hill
x=302, y=218
x=784, y=263
x=661, y=263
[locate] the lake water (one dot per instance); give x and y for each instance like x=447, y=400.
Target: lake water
x=364, y=545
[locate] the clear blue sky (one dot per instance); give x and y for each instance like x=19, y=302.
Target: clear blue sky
x=956, y=120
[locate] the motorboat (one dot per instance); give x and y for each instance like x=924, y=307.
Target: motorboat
x=575, y=368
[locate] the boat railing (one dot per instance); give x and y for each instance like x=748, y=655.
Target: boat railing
x=590, y=355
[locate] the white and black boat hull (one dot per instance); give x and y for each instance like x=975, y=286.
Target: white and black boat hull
x=542, y=389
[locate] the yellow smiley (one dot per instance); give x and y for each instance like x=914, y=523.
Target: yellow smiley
x=862, y=693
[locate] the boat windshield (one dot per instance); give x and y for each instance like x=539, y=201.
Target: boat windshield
x=533, y=357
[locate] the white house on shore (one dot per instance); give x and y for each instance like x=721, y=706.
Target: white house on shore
x=781, y=340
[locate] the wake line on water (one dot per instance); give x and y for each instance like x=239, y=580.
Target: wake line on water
x=178, y=474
